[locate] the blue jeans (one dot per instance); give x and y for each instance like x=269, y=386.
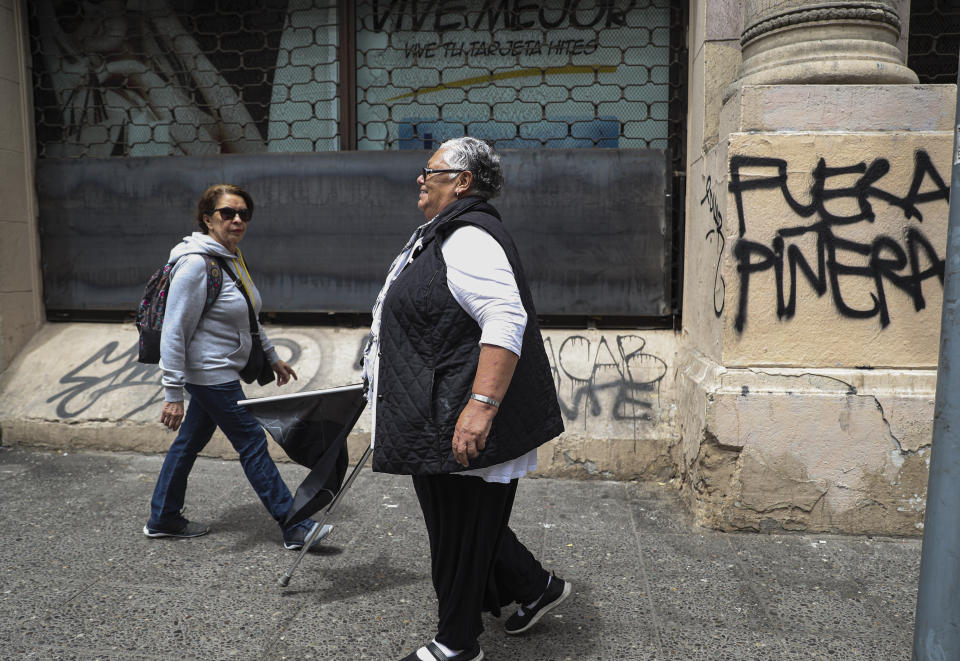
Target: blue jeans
x=211, y=407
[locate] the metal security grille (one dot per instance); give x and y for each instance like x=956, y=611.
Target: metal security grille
x=184, y=77
x=191, y=77
x=521, y=75
x=934, y=40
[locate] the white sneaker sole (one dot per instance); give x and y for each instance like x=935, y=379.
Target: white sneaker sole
x=567, y=589
x=155, y=535
x=429, y=655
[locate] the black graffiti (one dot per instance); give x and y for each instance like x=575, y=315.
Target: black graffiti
x=581, y=373
x=905, y=267
x=719, y=283
x=445, y=15
x=88, y=382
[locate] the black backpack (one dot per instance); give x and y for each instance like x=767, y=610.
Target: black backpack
x=154, y=305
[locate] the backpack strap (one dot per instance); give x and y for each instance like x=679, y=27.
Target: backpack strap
x=214, y=280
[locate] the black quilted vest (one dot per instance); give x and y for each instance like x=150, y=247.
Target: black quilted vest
x=429, y=348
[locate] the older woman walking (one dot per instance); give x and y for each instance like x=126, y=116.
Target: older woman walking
x=462, y=396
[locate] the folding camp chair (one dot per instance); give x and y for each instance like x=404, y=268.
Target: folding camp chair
x=312, y=428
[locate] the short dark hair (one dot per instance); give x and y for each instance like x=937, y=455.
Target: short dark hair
x=479, y=158
x=208, y=202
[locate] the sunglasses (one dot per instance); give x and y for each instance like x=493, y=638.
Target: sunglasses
x=227, y=213
x=429, y=171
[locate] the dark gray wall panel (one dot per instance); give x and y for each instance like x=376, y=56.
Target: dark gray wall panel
x=592, y=225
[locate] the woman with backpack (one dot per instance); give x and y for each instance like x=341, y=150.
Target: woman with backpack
x=205, y=344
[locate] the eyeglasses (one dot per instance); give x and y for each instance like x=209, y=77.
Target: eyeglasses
x=227, y=213
x=428, y=171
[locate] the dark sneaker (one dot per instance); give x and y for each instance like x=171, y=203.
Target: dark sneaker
x=189, y=529
x=296, y=537
x=472, y=654
x=553, y=596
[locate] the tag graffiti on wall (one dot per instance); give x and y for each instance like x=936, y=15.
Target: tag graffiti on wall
x=111, y=369
x=107, y=371
x=825, y=250
x=715, y=233
x=596, y=378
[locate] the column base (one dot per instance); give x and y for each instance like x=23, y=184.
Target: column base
x=819, y=450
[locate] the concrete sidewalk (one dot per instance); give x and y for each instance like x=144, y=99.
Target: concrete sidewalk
x=78, y=579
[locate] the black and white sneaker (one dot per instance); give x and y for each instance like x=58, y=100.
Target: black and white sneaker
x=295, y=538
x=189, y=529
x=526, y=616
x=434, y=652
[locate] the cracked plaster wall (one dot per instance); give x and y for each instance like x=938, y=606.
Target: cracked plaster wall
x=798, y=450
x=823, y=460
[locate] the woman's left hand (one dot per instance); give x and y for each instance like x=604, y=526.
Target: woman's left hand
x=283, y=372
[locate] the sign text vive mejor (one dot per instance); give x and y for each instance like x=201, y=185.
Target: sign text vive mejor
x=445, y=15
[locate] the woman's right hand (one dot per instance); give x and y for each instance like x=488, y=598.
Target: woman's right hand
x=172, y=414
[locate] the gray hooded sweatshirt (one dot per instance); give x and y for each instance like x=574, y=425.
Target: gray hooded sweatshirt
x=205, y=348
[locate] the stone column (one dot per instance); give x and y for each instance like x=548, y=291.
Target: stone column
x=814, y=241
x=821, y=42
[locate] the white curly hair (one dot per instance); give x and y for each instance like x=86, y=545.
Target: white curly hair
x=478, y=157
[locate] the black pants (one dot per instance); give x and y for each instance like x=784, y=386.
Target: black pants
x=477, y=562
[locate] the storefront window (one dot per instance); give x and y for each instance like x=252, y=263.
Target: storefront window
x=554, y=73
x=178, y=77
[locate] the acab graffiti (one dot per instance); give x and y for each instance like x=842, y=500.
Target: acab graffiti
x=624, y=374
x=904, y=262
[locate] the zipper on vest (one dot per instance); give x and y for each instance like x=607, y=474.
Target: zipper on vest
x=429, y=284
